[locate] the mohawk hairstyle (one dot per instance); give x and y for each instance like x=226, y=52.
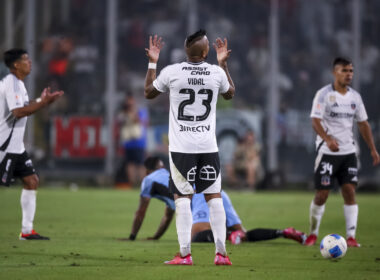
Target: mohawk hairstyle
x=341, y=61
x=151, y=163
x=191, y=39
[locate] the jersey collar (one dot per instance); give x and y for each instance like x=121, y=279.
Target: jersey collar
x=195, y=63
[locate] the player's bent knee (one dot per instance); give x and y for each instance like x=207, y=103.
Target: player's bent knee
x=321, y=197
x=31, y=182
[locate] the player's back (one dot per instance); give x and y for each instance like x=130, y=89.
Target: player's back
x=193, y=89
x=156, y=185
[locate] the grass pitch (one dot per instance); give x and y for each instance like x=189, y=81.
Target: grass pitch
x=84, y=225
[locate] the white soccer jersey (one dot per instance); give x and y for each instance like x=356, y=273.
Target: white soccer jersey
x=193, y=91
x=13, y=95
x=338, y=113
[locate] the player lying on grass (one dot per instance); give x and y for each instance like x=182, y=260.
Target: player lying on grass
x=201, y=230
x=156, y=185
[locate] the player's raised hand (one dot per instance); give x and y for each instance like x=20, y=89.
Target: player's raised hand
x=49, y=97
x=222, y=51
x=155, y=46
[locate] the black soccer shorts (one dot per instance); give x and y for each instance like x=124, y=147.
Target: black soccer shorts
x=190, y=173
x=15, y=165
x=342, y=167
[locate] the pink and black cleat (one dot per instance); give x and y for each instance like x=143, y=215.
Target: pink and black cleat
x=310, y=240
x=236, y=237
x=33, y=235
x=294, y=234
x=351, y=242
x=222, y=260
x=179, y=260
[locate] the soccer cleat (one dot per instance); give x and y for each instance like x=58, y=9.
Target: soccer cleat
x=222, y=260
x=32, y=236
x=236, y=237
x=351, y=242
x=310, y=240
x=179, y=260
x=294, y=234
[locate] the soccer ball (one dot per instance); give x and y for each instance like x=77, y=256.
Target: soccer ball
x=333, y=246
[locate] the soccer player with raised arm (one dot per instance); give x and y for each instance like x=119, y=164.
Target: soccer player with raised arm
x=193, y=87
x=335, y=108
x=14, y=160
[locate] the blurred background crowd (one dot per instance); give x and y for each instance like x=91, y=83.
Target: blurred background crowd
x=70, y=139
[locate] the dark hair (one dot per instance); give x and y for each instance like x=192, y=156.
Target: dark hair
x=151, y=163
x=341, y=61
x=12, y=55
x=195, y=37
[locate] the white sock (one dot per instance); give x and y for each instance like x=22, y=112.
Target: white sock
x=28, y=206
x=184, y=222
x=351, y=215
x=316, y=214
x=218, y=224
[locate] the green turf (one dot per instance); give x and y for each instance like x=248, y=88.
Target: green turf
x=83, y=226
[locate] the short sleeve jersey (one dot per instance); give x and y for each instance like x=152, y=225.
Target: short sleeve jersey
x=13, y=95
x=156, y=185
x=193, y=92
x=201, y=213
x=338, y=112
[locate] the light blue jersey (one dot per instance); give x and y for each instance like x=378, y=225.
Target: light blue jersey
x=201, y=212
x=156, y=185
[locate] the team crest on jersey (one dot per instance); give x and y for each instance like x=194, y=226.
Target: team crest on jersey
x=332, y=98
x=325, y=180
x=353, y=106
x=29, y=163
x=191, y=174
x=208, y=173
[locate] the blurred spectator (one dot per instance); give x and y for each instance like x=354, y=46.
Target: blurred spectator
x=59, y=62
x=246, y=168
x=83, y=80
x=133, y=122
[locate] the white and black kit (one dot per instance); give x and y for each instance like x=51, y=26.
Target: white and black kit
x=193, y=91
x=337, y=113
x=14, y=161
